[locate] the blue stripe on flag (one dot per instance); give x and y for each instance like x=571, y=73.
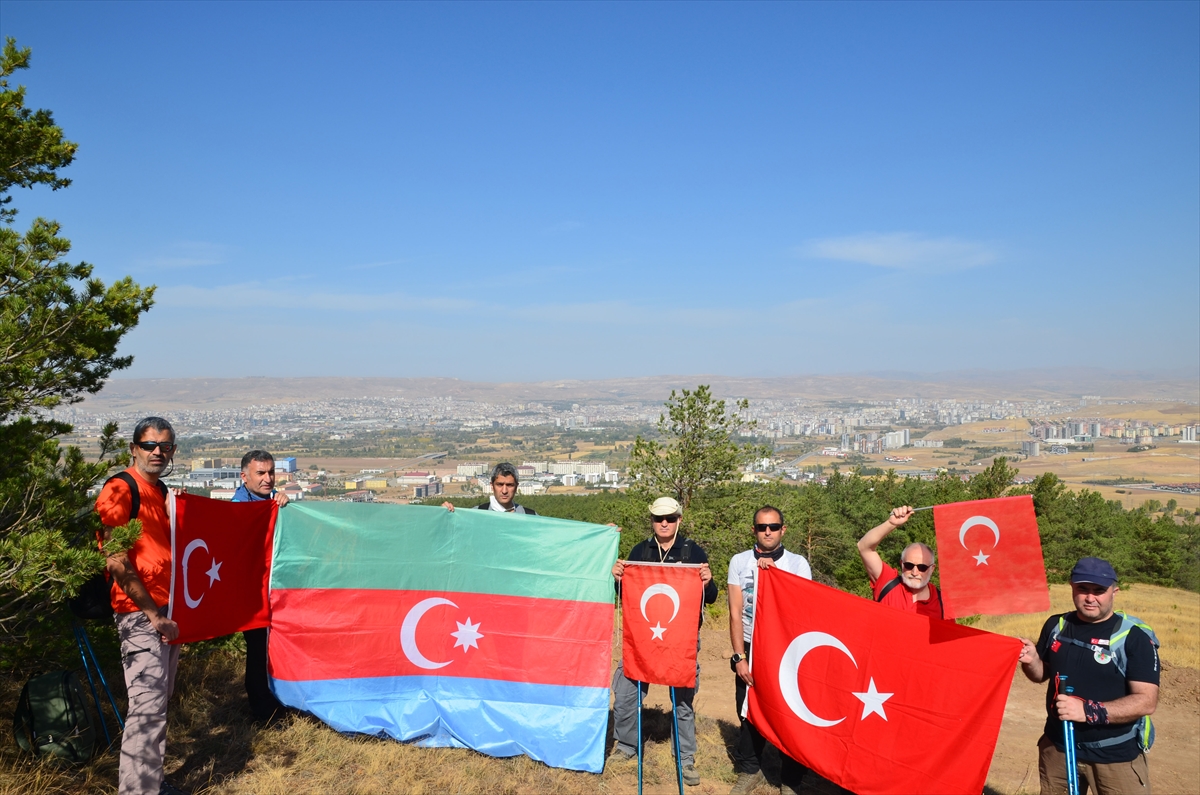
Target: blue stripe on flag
x=561, y=726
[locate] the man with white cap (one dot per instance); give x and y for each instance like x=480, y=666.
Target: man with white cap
x=664, y=547
x=1110, y=660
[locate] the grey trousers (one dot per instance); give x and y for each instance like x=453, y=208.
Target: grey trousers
x=149, y=679
x=626, y=697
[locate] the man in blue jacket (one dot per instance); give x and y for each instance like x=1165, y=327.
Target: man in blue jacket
x=258, y=483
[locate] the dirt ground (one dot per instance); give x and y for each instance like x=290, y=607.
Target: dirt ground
x=1174, y=760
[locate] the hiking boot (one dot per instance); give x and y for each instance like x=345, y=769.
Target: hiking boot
x=690, y=776
x=619, y=754
x=747, y=782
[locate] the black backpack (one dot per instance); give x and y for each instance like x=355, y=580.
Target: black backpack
x=893, y=583
x=53, y=718
x=93, y=600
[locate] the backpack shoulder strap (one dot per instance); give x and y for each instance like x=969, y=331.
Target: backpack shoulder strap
x=135, y=496
x=941, y=604
x=686, y=552
x=887, y=589
x=1128, y=622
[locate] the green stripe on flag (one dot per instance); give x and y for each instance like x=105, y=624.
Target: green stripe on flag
x=417, y=547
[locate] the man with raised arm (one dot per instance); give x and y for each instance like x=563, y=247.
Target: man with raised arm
x=258, y=484
x=140, y=592
x=1111, y=663
x=908, y=589
x=664, y=546
x=767, y=552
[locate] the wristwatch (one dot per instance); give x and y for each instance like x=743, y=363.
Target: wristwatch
x=734, y=660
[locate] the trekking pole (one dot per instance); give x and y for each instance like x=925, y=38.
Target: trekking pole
x=639, y=745
x=103, y=682
x=92, y=684
x=675, y=737
x=1069, y=744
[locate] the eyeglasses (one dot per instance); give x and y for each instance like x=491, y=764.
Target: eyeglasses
x=921, y=567
x=166, y=447
x=672, y=519
x=774, y=527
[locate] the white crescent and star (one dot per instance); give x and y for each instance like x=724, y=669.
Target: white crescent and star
x=980, y=559
x=789, y=682
x=467, y=636
x=214, y=571
x=667, y=591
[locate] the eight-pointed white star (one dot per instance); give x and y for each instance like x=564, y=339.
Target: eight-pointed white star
x=214, y=572
x=468, y=635
x=873, y=700
x=658, y=630
x=981, y=559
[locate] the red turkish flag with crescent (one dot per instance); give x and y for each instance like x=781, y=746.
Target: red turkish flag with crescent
x=990, y=557
x=220, y=565
x=660, y=603
x=877, y=700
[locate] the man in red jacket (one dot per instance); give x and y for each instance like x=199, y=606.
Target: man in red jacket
x=908, y=589
x=141, y=589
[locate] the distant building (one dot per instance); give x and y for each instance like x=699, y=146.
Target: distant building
x=358, y=496
x=375, y=483
x=927, y=443
x=1188, y=434
x=1032, y=449
x=285, y=464
x=562, y=468
x=427, y=490
x=415, y=479
x=472, y=470
x=222, y=494
x=530, y=488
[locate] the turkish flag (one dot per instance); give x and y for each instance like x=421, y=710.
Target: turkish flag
x=220, y=565
x=661, y=607
x=990, y=556
x=874, y=699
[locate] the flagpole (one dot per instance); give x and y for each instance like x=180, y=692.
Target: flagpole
x=675, y=738
x=1069, y=744
x=639, y=745
x=926, y=508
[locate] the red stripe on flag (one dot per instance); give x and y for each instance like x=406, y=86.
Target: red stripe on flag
x=347, y=634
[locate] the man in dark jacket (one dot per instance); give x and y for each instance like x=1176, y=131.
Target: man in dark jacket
x=504, y=489
x=665, y=546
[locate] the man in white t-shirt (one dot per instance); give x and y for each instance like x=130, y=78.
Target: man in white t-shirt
x=768, y=551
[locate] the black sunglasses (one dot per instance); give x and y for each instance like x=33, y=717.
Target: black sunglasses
x=921, y=567
x=166, y=447
x=774, y=527
x=670, y=518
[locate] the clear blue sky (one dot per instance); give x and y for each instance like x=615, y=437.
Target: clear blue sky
x=587, y=190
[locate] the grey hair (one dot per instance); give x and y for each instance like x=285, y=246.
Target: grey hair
x=501, y=470
x=152, y=423
x=256, y=455
x=922, y=547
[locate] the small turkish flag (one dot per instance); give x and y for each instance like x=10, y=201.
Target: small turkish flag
x=220, y=565
x=876, y=700
x=990, y=556
x=661, y=607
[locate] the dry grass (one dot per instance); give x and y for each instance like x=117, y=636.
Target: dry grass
x=1174, y=615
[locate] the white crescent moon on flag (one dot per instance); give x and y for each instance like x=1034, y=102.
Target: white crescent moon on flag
x=197, y=543
x=789, y=672
x=974, y=520
x=665, y=590
x=408, y=633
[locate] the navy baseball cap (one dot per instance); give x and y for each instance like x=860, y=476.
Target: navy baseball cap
x=1094, y=570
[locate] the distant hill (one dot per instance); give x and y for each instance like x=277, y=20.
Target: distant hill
x=165, y=394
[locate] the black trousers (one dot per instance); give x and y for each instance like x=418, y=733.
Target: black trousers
x=263, y=704
x=748, y=753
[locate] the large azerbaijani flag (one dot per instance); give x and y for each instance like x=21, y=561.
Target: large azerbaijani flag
x=467, y=629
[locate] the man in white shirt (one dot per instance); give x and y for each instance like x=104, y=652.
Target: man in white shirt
x=768, y=551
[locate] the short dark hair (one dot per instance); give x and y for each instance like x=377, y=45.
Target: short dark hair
x=769, y=508
x=152, y=423
x=256, y=455
x=501, y=470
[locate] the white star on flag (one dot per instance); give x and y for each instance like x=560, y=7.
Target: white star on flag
x=658, y=629
x=873, y=700
x=981, y=559
x=214, y=572
x=467, y=634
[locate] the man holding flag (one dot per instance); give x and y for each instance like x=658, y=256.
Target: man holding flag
x=1111, y=662
x=767, y=552
x=910, y=589
x=258, y=484
x=664, y=547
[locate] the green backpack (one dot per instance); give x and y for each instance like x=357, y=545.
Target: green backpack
x=1143, y=727
x=53, y=718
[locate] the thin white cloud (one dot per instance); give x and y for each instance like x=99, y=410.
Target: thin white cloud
x=902, y=251
x=186, y=254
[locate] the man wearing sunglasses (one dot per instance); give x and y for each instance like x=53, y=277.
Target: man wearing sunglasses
x=767, y=552
x=664, y=547
x=141, y=589
x=909, y=589
x=258, y=484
